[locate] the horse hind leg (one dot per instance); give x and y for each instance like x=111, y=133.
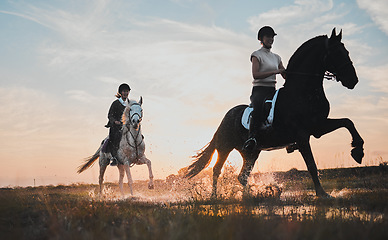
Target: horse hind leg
x=101, y=177
x=222, y=156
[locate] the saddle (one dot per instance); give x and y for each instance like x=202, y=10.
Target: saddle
x=269, y=111
x=105, y=145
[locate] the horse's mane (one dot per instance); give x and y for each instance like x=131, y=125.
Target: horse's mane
x=301, y=51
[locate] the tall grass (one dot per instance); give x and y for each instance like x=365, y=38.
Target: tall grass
x=76, y=212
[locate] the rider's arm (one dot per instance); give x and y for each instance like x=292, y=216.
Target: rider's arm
x=260, y=75
x=112, y=114
x=282, y=69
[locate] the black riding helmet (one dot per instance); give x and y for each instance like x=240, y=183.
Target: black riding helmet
x=265, y=31
x=123, y=87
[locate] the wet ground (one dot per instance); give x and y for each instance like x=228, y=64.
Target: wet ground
x=274, y=206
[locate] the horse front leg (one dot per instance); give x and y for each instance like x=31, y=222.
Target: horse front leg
x=121, y=178
x=129, y=177
x=151, y=176
x=305, y=150
x=330, y=125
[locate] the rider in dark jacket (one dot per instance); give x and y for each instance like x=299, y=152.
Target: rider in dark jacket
x=114, y=115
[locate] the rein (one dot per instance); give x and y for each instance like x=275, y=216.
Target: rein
x=327, y=75
x=135, y=146
x=135, y=138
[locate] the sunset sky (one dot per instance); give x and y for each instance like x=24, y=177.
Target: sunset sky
x=61, y=63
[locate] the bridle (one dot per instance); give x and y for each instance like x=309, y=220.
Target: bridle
x=136, y=143
x=140, y=115
x=327, y=75
x=337, y=68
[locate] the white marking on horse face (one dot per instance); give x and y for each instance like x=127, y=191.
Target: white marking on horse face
x=135, y=121
x=136, y=115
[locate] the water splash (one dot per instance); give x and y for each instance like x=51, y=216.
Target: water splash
x=264, y=197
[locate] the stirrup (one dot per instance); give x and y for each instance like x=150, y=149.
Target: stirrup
x=291, y=148
x=250, y=144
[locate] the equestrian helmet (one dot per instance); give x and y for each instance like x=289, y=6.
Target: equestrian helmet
x=266, y=31
x=124, y=87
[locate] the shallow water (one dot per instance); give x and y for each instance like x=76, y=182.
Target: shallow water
x=290, y=205
x=292, y=212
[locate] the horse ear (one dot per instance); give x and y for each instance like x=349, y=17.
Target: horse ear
x=340, y=35
x=333, y=34
x=141, y=100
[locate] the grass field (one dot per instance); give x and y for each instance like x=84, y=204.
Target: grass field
x=276, y=206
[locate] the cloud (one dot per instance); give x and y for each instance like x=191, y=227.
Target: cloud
x=158, y=56
x=378, y=11
x=376, y=77
x=300, y=21
x=25, y=111
x=291, y=14
x=25, y=16
x=80, y=95
x=29, y=111
x=109, y=79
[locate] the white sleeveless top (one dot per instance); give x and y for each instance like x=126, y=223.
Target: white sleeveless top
x=268, y=61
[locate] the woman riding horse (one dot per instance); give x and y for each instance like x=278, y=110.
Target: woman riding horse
x=114, y=115
x=265, y=66
x=301, y=111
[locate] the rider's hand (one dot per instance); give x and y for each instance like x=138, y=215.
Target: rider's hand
x=117, y=122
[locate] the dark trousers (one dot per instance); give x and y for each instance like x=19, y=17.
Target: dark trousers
x=114, y=139
x=258, y=96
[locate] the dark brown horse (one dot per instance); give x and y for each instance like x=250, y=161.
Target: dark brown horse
x=301, y=111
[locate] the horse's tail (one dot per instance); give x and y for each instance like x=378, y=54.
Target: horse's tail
x=201, y=159
x=90, y=161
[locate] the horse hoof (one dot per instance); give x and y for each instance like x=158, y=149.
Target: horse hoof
x=243, y=180
x=213, y=197
x=325, y=195
x=358, y=143
x=357, y=154
x=151, y=186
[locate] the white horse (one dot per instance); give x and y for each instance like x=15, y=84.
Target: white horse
x=131, y=149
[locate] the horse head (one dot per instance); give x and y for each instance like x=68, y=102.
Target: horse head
x=133, y=114
x=338, y=62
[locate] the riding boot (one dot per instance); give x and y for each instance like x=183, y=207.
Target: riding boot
x=113, y=159
x=257, y=118
x=110, y=148
x=251, y=143
x=114, y=150
x=256, y=126
x=114, y=138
